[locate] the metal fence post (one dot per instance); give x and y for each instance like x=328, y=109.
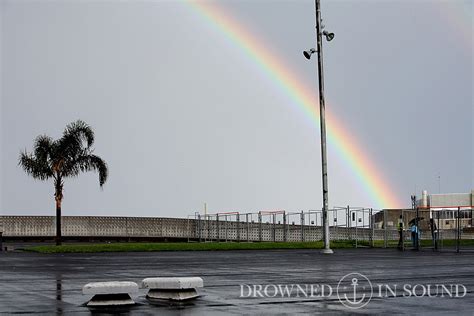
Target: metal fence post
x=348, y=215
x=226, y=226
x=288, y=226
x=384, y=228
x=458, y=226
x=248, y=227
x=403, y=230
x=438, y=230
x=238, y=227
x=199, y=227
x=313, y=229
x=206, y=227
x=274, y=227
x=259, y=226
x=218, y=229
x=472, y=219
x=357, y=224
x=302, y=225
x=371, y=228
x=363, y=218
x=285, y=233
x=349, y=223
x=417, y=235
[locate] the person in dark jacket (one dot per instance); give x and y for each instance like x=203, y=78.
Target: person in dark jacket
x=414, y=236
x=434, y=233
x=400, y=232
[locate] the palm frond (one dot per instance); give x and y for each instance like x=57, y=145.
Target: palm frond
x=80, y=130
x=71, y=144
x=37, y=168
x=85, y=163
x=101, y=167
x=43, y=147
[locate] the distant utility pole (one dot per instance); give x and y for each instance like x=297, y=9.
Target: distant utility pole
x=439, y=183
x=322, y=119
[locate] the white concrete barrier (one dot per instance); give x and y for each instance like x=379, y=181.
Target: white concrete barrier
x=110, y=293
x=175, y=289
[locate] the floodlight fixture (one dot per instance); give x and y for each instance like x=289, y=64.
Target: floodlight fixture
x=329, y=36
x=308, y=53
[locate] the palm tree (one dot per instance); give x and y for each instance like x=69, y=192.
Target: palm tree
x=64, y=158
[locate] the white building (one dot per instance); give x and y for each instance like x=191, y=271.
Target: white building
x=447, y=206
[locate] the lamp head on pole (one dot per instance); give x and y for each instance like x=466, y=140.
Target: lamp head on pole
x=308, y=53
x=329, y=36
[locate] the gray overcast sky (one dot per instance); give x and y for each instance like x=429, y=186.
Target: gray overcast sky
x=183, y=116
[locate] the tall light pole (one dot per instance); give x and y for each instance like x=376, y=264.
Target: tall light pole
x=322, y=119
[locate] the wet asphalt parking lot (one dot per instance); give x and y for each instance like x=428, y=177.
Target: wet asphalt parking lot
x=52, y=284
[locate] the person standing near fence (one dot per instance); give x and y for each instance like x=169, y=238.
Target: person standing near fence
x=400, y=232
x=414, y=236
x=434, y=233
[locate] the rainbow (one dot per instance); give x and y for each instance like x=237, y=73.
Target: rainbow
x=346, y=146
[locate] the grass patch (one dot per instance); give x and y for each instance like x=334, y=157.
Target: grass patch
x=210, y=246
x=182, y=246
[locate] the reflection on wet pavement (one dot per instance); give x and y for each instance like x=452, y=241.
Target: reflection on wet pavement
x=52, y=284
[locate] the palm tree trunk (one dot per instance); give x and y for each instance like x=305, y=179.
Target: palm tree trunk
x=58, y=222
x=58, y=195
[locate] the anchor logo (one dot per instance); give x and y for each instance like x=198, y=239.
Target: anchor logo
x=354, y=290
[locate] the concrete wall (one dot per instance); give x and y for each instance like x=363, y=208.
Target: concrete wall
x=171, y=228
x=94, y=226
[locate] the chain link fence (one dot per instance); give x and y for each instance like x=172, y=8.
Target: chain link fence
x=406, y=229
x=345, y=223
x=425, y=229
